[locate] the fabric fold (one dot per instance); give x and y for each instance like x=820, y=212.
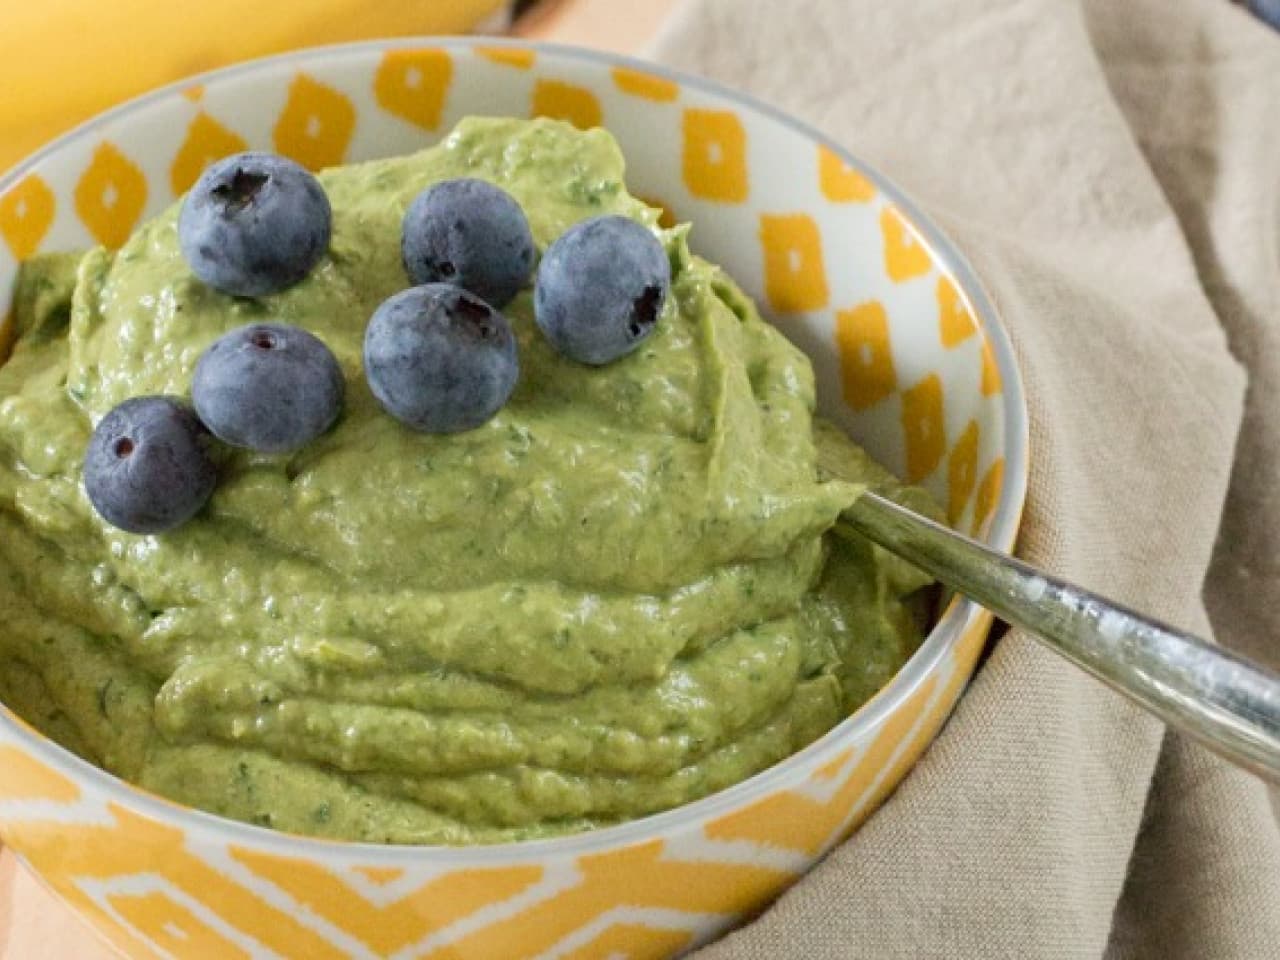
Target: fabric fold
x=1049, y=805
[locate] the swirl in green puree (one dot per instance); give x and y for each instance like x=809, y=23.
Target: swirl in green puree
x=615, y=597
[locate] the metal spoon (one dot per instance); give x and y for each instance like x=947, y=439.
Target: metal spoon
x=1226, y=702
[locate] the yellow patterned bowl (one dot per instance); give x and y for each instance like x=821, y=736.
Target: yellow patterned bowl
x=909, y=357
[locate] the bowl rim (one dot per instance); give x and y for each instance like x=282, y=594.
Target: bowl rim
x=937, y=644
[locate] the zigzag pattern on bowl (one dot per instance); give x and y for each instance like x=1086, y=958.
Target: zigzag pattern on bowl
x=902, y=362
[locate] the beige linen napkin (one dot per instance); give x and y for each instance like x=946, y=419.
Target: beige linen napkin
x=1113, y=170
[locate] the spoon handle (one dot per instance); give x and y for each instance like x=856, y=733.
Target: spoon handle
x=1228, y=703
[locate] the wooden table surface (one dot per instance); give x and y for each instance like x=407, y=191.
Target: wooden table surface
x=33, y=924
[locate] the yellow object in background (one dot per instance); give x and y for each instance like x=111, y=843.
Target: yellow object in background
x=62, y=61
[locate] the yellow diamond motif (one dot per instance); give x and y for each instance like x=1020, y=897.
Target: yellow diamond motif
x=839, y=182
x=955, y=325
x=905, y=256
x=962, y=470
x=714, y=156
x=316, y=124
x=866, y=355
x=922, y=424
x=110, y=195
x=26, y=212
x=567, y=102
x=795, y=278
x=412, y=84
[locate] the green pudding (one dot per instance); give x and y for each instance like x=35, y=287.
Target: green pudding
x=617, y=596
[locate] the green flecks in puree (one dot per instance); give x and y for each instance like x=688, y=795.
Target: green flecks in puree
x=614, y=597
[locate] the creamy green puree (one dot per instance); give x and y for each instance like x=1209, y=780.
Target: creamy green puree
x=615, y=597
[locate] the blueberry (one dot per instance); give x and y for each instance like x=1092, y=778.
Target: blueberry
x=146, y=469
x=600, y=289
x=268, y=386
x=440, y=359
x=471, y=234
x=254, y=223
